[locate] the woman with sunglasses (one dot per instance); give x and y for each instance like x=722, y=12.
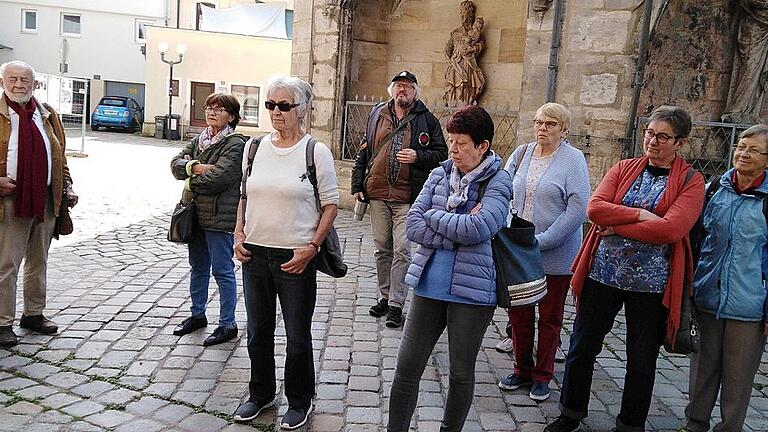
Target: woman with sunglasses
x=277, y=242
x=636, y=256
x=729, y=288
x=210, y=168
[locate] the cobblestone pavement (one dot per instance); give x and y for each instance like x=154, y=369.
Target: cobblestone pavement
x=118, y=288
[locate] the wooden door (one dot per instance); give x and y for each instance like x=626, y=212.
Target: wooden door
x=200, y=92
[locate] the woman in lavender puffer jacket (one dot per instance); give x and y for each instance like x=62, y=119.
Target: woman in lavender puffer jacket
x=452, y=272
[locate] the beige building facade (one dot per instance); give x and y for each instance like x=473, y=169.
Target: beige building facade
x=589, y=62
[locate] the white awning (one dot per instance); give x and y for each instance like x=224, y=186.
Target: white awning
x=263, y=19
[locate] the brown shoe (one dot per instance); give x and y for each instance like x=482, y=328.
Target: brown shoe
x=7, y=337
x=38, y=324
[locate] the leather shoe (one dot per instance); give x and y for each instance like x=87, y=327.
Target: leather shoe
x=38, y=324
x=7, y=337
x=189, y=325
x=221, y=335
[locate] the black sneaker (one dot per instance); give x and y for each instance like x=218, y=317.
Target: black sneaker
x=250, y=410
x=380, y=309
x=7, y=337
x=394, y=317
x=189, y=325
x=221, y=335
x=563, y=424
x=295, y=418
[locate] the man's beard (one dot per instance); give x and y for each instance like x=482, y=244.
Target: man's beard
x=403, y=102
x=21, y=100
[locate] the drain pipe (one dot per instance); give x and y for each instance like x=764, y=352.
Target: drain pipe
x=554, y=50
x=639, y=77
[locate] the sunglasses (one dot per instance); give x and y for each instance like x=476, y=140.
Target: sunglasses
x=282, y=106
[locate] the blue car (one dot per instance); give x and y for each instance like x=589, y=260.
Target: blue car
x=117, y=112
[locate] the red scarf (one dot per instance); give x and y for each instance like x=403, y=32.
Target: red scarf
x=32, y=173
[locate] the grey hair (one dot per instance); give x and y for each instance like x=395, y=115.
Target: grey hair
x=300, y=89
x=758, y=130
x=392, y=87
x=17, y=63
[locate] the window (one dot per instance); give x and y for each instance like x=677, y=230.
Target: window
x=28, y=21
x=70, y=24
x=141, y=31
x=199, y=14
x=289, y=23
x=248, y=96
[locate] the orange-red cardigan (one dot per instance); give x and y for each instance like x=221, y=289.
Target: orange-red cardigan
x=678, y=208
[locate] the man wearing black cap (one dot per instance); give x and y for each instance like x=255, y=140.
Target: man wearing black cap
x=403, y=143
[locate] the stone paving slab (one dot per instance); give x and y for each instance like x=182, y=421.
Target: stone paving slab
x=118, y=289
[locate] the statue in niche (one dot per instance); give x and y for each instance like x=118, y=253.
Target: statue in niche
x=750, y=69
x=464, y=79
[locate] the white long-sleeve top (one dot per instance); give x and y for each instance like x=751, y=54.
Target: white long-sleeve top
x=280, y=210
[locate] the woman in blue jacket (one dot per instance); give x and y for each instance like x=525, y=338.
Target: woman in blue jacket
x=452, y=272
x=730, y=290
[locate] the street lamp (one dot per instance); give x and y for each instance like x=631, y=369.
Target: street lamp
x=180, y=50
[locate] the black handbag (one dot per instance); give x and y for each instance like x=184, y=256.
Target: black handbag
x=687, y=337
x=520, y=279
x=183, y=221
x=330, y=259
x=63, y=225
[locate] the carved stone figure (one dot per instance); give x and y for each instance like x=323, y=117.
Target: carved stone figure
x=750, y=69
x=464, y=79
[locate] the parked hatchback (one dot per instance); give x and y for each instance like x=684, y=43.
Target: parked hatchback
x=117, y=112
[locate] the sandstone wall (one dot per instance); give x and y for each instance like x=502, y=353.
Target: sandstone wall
x=413, y=37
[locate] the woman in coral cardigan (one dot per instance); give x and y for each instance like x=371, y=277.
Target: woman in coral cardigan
x=636, y=256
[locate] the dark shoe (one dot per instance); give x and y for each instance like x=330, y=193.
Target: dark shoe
x=513, y=382
x=295, y=418
x=38, y=324
x=221, y=335
x=250, y=410
x=7, y=337
x=380, y=309
x=563, y=424
x=394, y=317
x=189, y=325
x=539, y=391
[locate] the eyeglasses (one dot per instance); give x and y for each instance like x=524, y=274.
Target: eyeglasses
x=403, y=85
x=661, y=137
x=548, y=124
x=751, y=151
x=282, y=106
x=214, y=109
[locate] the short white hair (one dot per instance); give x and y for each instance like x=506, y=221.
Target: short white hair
x=19, y=64
x=300, y=89
x=392, y=87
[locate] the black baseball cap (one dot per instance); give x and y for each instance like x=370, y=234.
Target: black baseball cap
x=405, y=75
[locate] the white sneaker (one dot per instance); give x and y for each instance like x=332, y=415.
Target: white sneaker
x=505, y=345
x=559, y=356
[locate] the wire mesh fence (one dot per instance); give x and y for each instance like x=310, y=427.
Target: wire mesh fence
x=66, y=95
x=710, y=145
x=356, y=119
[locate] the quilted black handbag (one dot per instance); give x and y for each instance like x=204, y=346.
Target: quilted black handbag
x=183, y=222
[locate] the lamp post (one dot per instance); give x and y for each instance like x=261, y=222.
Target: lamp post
x=180, y=50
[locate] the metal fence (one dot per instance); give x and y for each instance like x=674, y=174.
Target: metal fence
x=356, y=120
x=710, y=145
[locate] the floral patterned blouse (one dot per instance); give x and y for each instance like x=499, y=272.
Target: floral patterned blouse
x=629, y=264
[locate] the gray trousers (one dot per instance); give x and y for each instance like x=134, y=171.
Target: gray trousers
x=728, y=359
x=393, y=249
x=426, y=321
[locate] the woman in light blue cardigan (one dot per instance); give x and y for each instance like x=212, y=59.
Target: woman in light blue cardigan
x=551, y=189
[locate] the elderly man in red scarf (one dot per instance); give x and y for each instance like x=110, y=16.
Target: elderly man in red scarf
x=34, y=179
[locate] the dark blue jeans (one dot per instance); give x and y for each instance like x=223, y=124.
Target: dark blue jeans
x=211, y=252
x=646, y=321
x=263, y=283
